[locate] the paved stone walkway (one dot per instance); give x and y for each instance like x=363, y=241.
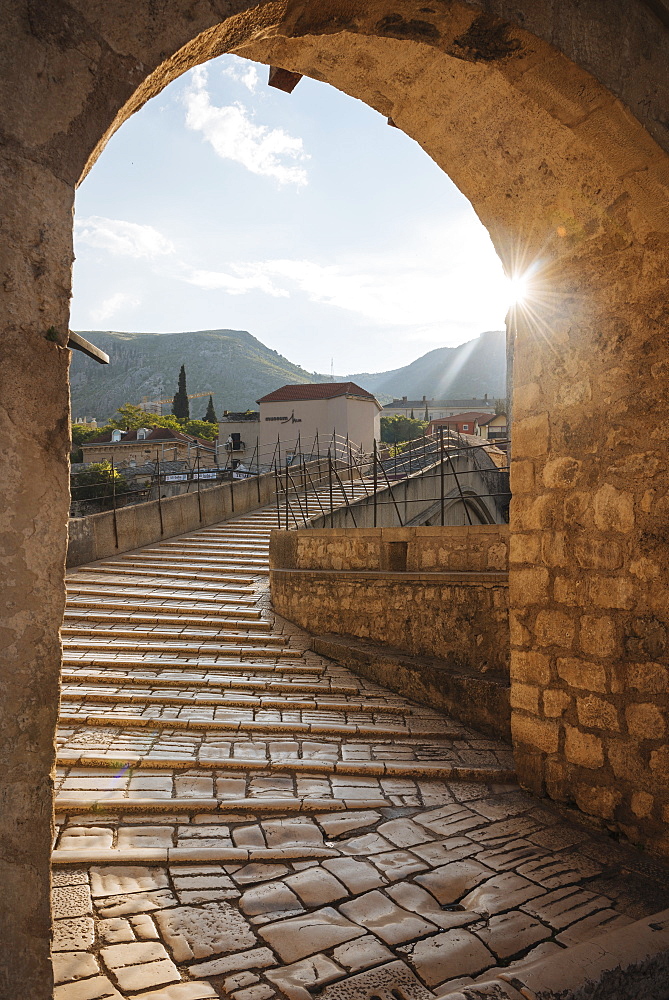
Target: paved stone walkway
x=239, y=817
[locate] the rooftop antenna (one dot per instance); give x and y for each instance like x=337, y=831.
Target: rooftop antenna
x=332, y=369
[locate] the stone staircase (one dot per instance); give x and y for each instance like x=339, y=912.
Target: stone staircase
x=239, y=816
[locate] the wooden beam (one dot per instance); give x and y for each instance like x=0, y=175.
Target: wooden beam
x=283, y=79
x=78, y=343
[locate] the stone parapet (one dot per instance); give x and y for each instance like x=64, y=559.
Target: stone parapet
x=438, y=595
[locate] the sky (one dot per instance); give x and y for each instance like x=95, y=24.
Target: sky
x=303, y=218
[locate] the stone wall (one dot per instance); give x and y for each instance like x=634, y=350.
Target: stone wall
x=551, y=118
x=437, y=594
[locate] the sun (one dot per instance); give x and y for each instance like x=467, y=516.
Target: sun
x=519, y=287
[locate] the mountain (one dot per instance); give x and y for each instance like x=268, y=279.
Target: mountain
x=231, y=364
x=463, y=372
x=237, y=369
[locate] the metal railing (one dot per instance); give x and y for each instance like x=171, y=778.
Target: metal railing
x=373, y=480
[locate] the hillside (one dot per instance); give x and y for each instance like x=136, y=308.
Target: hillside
x=237, y=369
x=231, y=364
x=470, y=370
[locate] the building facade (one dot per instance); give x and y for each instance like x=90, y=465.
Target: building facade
x=137, y=447
x=306, y=418
x=238, y=439
x=436, y=409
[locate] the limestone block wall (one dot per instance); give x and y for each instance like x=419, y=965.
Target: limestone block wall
x=588, y=577
x=432, y=592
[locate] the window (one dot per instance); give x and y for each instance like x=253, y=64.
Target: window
x=116, y=436
x=465, y=427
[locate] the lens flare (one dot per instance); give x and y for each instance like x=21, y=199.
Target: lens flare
x=519, y=289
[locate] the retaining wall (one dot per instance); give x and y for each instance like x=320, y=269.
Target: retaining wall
x=434, y=593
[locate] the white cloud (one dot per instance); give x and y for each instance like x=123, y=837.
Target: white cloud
x=241, y=71
x=233, y=134
x=126, y=239
x=247, y=278
x=114, y=304
x=447, y=276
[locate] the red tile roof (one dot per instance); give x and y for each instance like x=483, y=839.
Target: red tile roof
x=470, y=417
x=322, y=390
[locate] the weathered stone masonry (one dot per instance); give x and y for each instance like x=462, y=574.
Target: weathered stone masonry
x=550, y=119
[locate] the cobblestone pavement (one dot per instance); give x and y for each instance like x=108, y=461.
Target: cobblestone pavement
x=239, y=817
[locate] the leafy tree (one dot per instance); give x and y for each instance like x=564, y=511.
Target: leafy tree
x=398, y=428
x=79, y=435
x=210, y=415
x=500, y=406
x=180, y=406
x=199, y=428
x=131, y=417
x=99, y=480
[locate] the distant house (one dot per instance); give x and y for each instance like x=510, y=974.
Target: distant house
x=136, y=448
x=238, y=438
x=472, y=422
x=437, y=409
x=305, y=417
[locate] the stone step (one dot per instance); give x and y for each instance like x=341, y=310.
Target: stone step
x=154, y=592
x=236, y=699
x=479, y=700
x=253, y=631
x=178, y=649
x=366, y=772
x=249, y=661
x=151, y=555
x=82, y=691
x=76, y=609
x=176, y=575
x=102, y=571
x=218, y=683
x=370, y=732
x=233, y=585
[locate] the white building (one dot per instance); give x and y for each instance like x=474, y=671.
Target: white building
x=437, y=409
x=304, y=418
x=239, y=439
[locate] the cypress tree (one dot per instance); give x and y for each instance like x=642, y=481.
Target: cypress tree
x=210, y=415
x=180, y=402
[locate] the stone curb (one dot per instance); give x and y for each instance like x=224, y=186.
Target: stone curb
x=260, y=804
x=181, y=855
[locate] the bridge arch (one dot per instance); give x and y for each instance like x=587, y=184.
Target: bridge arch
x=552, y=126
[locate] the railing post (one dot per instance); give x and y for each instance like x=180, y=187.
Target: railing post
x=376, y=479
x=287, y=501
x=199, y=500
x=441, y=471
x=160, y=503
x=114, y=502
x=330, y=483
x=277, y=485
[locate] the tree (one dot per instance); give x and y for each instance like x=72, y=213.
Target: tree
x=210, y=415
x=427, y=414
x=398, y=428
x=180, y=402
x=500, y=406
x=199, y=428
x=99, y=481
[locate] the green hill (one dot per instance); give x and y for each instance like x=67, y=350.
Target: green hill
x=231, y=364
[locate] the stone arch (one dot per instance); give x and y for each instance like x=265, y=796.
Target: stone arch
x=552, y=125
